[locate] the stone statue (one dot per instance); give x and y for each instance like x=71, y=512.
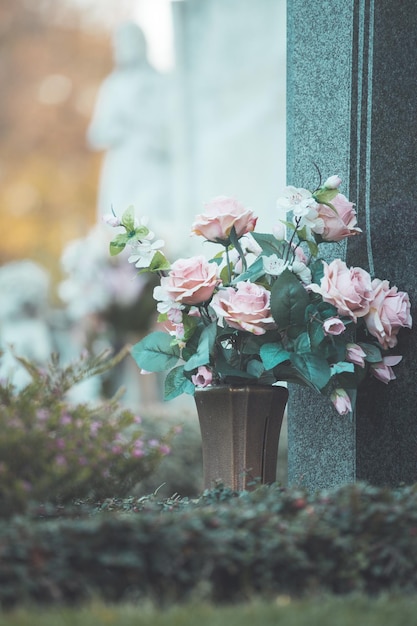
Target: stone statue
x=131, y=123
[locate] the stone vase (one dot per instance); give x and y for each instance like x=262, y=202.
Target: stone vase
x=240, y=428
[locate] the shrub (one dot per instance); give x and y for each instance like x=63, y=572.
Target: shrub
x=54, y=451
x=226, y=545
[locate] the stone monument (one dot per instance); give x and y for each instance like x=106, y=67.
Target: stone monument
x=230, y=121
x=351, y=108
x=131, y=123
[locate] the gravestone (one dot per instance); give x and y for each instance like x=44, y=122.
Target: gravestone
x=352, y=69
x=230, y=76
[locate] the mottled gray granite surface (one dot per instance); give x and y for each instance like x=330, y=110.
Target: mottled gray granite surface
x=352, y=87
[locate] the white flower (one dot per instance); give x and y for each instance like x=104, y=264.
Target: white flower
x=302, y=271
x=167, y=305
x=304, y=209
x=295, y=199
x=279, y=231
x=273, y=265
x=333, y=182
x=111, y=220
x=249, y=244
x=144, y=250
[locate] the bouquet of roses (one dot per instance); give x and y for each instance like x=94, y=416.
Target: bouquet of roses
x=266, y=308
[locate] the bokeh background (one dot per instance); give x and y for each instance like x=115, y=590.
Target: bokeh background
x=225, y=63
x=53, y=56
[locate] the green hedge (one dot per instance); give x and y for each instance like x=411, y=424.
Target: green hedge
x=233, y=546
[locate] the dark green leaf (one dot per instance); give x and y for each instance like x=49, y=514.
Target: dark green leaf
x=155, y=352
x=316, y=333
x=289, y=300
x=204, y=348
x=255, y=271
x=177, y=383
x=317, y=271
x=270, y=244
x=312, y=368
x=255, y=368
x=302, y=343
x=226, y=368
x=272, y=354
x=234, y=239
x=342, y=367
x=373, y=353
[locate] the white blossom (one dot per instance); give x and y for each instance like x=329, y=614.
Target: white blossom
x=273, y=265
x=144, y=250
x=301, y=270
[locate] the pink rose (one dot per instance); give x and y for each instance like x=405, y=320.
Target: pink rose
x=348, y=289
x=221, y=215
x=333, y=326
x=245, y=308
x=383, y=370
x=339, y=224
x=190, y=281
x=203, y=378
x=355, y=354
x=389, y=311
x=341, y=401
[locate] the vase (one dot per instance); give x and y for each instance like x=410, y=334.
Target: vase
x=240, y=428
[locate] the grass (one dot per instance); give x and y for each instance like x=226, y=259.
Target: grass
x=392, y=610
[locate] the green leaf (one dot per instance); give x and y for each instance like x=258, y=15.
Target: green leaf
x=234, y=239
x=255, y=271
x=342, y=367
x=159, y=262
x=312, y=368
x=317, y=271
x=324, y=196
x=272, y=354
x=204, y=348
x=255, y=368
x=155, y=352
x=373, y=353
x=226, y=273
x=316, y=333
x=139, y=233
x=302, y=343
x=118, y=243
x=128, y=218
x=190, y=324
x=334, y=349
x=269, y=243
x=176, y=383
x=289, y=300
x=226, y=369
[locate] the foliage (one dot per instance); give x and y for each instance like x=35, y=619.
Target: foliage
x=267, y=309
x=54, y=451
x=269, y=542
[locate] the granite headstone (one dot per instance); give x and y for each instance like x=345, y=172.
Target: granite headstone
x=352, y=87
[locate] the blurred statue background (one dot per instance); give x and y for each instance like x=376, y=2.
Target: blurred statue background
x=24, y=319
x=131, y=123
